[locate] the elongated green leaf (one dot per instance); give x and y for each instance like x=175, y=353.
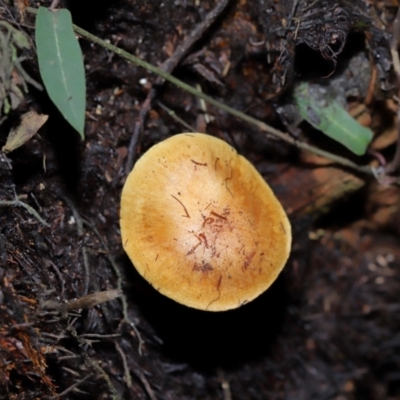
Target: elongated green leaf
x=61, y=64
x=327, y=115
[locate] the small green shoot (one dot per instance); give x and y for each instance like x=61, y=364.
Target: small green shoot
x=327, y=115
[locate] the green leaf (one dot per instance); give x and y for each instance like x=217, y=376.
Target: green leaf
x=61, y=64
x=327, y=115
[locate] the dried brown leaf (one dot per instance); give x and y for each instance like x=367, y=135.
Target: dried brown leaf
x=30, y=123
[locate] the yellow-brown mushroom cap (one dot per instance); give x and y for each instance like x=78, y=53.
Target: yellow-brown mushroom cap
x=201, y=225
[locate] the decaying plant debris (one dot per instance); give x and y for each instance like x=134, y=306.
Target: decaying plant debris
x=76, y=321
x=323, y=26
x=13, y=78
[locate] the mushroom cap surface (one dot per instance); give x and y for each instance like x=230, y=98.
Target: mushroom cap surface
x=201, y=225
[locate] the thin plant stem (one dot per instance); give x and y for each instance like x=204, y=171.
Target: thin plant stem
x=345, y=162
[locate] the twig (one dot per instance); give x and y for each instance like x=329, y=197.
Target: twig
x=61, y=348
x=53, y=336
x=66, y=391
x=394, y=165
x=31, y=210
x=94, y=299
x=71, y=357
x=54, y=4
x=71, y=371
x=58, y=273
x=99, y=336
x=137, y=129
x=173, y=115
x=79, y=226
x=95, y=365
x=168, y=66
x=259, y=124
x=123, y=298
x=138, y=372
x=127, y=374
x=146, y=384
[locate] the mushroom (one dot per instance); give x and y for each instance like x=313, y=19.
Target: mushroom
x=201, y=225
